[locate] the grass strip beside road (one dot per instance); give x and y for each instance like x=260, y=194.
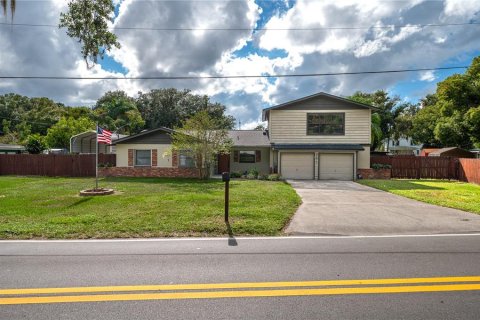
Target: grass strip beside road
x=363, y=286
x=51, y=208
x=451, y=194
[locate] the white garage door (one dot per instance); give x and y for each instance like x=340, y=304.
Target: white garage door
x=336, y=166
x=297, y=165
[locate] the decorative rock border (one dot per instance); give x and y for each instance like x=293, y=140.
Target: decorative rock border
x=96, y=192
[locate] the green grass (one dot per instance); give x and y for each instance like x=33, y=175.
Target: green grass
x=458, y=195
x=32, y=207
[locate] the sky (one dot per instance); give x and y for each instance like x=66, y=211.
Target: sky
x=369, y=36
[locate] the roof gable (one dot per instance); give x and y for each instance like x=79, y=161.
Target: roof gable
x=292, y=103
x=159, y=135
x=249, y=138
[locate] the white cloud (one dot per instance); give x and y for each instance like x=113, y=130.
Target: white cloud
x=48, y=51
x=428, y=76
x=461, y=8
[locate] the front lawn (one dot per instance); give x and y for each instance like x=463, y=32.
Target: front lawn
x=452, y=194
x=33, y=207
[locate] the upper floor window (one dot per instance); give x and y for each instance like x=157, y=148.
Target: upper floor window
x=327, y=124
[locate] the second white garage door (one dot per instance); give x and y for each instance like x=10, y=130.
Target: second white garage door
x=336, y=166
x=297, y=165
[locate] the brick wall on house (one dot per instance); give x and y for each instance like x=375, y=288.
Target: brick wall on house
x=130, y=157
x=149, y=172
x=174, y=158
x=375, y=174
x=154, y=158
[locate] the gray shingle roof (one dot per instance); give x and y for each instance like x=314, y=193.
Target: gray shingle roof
x=320, y=94
x=249, y=138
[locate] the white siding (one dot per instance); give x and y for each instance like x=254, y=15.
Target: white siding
x=363, y=158
x=290, y=126
x=122, y=153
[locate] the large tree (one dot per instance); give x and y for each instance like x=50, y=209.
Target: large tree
x=118, y=112
x=388, y=108
x=36, y=114
x=59, y=135
x=451, y=117
x=171, y=107
x=87, y=21
x=200, y=138
x=424, y=122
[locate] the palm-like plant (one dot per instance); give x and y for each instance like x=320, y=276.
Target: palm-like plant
x=376, y=131
x=5, y=7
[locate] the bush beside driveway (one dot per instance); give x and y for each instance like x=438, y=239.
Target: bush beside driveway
x=50, y=208
x=451, y=194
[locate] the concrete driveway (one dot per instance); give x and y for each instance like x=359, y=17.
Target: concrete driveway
x=348, y=208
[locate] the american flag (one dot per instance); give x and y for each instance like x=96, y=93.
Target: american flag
x=104, y=136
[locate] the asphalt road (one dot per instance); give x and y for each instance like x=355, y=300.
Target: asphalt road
x=244, y=269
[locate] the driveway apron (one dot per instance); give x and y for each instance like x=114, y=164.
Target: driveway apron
x=348, y=208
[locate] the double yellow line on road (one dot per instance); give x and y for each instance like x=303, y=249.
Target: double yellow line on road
x=237, y=290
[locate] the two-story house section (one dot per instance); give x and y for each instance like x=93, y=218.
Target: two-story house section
x=321, y=137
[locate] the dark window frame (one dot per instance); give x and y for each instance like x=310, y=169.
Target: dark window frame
x=326, y=114
x=190, y=161
x=254, y=156
x=135, y=158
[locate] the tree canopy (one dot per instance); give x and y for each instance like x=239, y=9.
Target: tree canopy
x=389, y=110
x=87, y=21
x=59, y=134
x=118, y=112
x=200, y=138
x=171, y=107
x=451, y=116
x=21, y=116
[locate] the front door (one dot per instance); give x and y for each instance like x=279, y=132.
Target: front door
x=223, y=163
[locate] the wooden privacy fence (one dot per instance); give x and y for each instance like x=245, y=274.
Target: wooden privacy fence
x=469, y=170
x=52, y=165
x=412, y=167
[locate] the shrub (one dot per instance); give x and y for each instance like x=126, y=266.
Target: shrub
x=35, y=144
x=263, y=177
x=253, y=172
x=273, y=177
x=235, y=174
x=251, y=176
x=378, y=166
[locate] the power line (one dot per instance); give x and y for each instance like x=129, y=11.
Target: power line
x=263, y=29
x=233, y=76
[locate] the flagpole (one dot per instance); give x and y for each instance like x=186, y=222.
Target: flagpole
x=96, y=159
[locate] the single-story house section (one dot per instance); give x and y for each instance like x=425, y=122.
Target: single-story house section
x=317, y=137
x=144, y=155
x=452, y=152
x=11, y=149
x=251, y=150
x=85, y=143
x=147, y=154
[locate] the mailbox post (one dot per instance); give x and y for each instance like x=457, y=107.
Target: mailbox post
x=226, y=179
